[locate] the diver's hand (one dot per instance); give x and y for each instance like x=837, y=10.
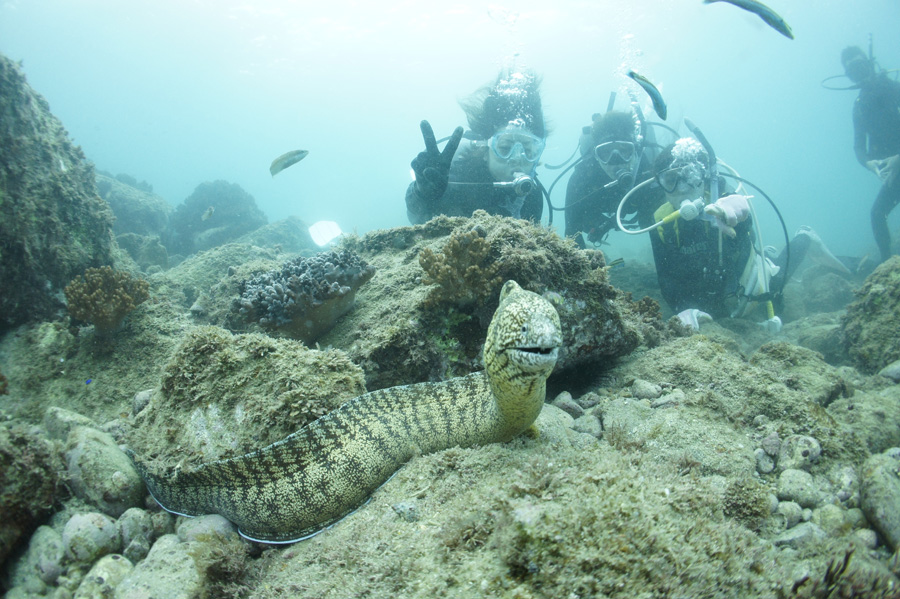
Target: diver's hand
x=432, y=167
x=729, y=211
x=692, y=317
x=886, y=169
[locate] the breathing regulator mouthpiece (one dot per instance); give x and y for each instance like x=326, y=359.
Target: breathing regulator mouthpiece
x=522, y=184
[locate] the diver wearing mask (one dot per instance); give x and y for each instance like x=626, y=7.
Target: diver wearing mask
x=493, y=168
x=613, y=158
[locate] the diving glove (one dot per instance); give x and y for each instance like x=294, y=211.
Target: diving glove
x=432, y=167
x=729, y=211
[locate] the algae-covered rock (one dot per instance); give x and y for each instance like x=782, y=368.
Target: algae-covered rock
x=168, y=572
x=53, y=225
x=802, y=370
x=410, y=326
x=873, y=319
x=224, y=395
x=137, y=209
x=103, y=578
x=874, y=417
x=30, y=482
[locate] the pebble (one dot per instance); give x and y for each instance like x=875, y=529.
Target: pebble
x=163, y=523
x=764, y=462
x=104, y=577
x=407, y=510
x=135, y=528
x=589, y=424
x=641, y=389
x=866, y=536
x=798, y=486
x=791, y=512
x=669, y=400
x=771, y=444
x=100, y=473
x=564, y=402
x=829, y=518
x=798, y=452
x=204, y=527
x=42, y=561
x=88, y=537
x=140, y=401
x=800, y=535
x=168, y=572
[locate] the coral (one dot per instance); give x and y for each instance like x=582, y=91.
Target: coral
x=871, y=322
x=306, y=296
x=104, y=297
x=463, y=272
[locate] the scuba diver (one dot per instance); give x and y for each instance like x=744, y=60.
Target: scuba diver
x=494, y=168
x=709, y=257
x=876, y=135
x=613, y=157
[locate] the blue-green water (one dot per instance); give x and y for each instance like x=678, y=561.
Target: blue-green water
x=177, y=93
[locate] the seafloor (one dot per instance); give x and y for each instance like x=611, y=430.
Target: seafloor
x=730, y=462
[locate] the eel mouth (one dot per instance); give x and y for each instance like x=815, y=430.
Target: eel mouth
x=534, y=358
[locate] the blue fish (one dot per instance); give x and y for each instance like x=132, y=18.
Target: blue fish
x=88, y=382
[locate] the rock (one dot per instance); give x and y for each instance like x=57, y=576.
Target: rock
x=168, y=572
x=104, y=577
x=642, y=389
x=802, y=370
x=829, y=518
x=798, y=452
x=764, y=462
x=771, y=444
x=846, y=483
x=163, y=523
x=891, y=371
x=407, y=511
x=42, y=561
x=800, y=535
x=873, y=416
x=866, y=536
x=135, y=528
x=871, y=323
x=554, y=425
x=59, y=422
x=90, y=536
x=791, y=512
x=204, y=527
x=140, y=401
x=798, y=486
x=100, y=473
x=880, y=495
x=565, y=403
x=589, y=424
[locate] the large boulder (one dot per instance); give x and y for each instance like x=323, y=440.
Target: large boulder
x=873, y=319
x=53, y=225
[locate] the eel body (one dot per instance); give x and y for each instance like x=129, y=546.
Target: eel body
x=296, y=487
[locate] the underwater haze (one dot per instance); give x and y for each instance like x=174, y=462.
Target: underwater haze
x=178, y=93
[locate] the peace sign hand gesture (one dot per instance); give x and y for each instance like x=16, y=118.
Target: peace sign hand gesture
x=432, y=167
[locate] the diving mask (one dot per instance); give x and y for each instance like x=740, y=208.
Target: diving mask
x=614, y=152
x=681, y=178
x=515, y=141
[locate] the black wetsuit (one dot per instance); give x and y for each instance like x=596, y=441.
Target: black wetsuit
x=468, y=168
x=591, y=208
x=876, y=135
x=687, y=263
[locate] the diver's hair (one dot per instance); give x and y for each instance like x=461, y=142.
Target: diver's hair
x=614, y=126
x=851, y=52
x=512, y=97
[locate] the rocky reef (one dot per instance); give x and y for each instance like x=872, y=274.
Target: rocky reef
x=53, y=225
x=306, y=296
x=216, y=213
x=870, y=327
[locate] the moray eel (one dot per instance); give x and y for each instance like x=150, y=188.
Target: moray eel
x=296, y=487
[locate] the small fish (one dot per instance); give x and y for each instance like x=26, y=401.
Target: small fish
x=208, y=213
x=659, y=105
x=286, y=160
x=772, y=18
x=88, y=382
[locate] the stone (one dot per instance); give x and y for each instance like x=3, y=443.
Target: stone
x=589, y=424
x=135, y=528
x=798, y=452
x=564, y=402
x=829, y=518
x=642, y=389
x=764, y=462
x=168, y=572
x=104, y=576
x=880, y=495
x=201, y=527
x=800, y=535
x=791, y=512
x=101, y=473
x=140, y=401
x=798, y=486
x=891, y=371
x=87, y=537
